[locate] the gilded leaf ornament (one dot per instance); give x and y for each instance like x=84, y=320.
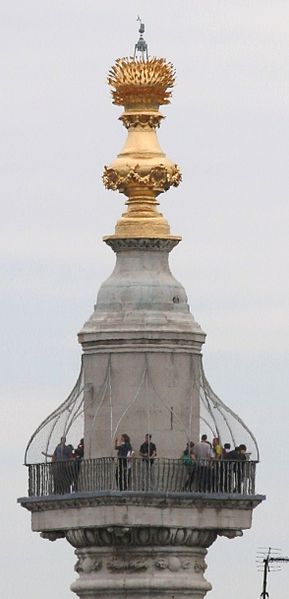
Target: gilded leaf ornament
x=158, y=178
x=139, y=81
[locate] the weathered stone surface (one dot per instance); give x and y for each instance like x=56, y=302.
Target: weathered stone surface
x=141, y=295
x=226, y=518
x=149, y=571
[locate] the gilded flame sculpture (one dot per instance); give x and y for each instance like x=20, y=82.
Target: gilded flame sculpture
x=138, y=81
x=141, y=171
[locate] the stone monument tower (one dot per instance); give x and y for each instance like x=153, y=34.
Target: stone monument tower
x=141, y=525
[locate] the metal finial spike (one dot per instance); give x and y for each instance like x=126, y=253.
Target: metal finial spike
x=141, y=46
x=142, y=26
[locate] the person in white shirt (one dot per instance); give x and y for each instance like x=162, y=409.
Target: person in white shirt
x=202, y=451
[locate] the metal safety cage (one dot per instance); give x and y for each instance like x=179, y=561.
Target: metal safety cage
x=216, y=419
x=66, y=420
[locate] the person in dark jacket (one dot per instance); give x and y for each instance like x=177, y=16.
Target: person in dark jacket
x=189, y=460
x=235, y=470
x=147, y=452
x=78, y=455
x=79, y=451
x=62, y=467
x=124, y=448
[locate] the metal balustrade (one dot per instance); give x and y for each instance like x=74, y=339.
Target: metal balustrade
x=161, y=475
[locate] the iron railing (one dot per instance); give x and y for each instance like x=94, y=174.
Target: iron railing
x=159, y=475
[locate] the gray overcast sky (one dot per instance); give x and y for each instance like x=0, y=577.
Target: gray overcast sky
x=228, y=128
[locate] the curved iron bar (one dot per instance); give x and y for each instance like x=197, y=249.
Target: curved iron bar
x=101, y=402
x=216, y=407
x=233, y=414
x=73, y=407
x=208, y=425
x=55, y=414
x=207, y=398
x=227, y=424
x=133, y=400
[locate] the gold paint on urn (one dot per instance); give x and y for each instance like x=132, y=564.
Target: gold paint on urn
x=141, y=170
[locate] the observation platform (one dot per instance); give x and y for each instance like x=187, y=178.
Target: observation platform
x=161, y=475
x=217, y=496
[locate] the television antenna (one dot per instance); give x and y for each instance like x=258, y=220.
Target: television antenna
x=269, y=560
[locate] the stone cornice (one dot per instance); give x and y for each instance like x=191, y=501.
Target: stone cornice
x=138, y=536
x=92, y=344
x=142, y=244
x=159, y=500
x=146, y=537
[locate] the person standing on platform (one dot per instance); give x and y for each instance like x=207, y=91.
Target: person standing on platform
x=62, y=467
x=202, y=451
x=78, y=455
x=148, y=452
x=124, y=449
x=235, y=471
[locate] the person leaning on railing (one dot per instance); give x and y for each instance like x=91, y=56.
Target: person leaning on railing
x=62, y=469
x=62, y=452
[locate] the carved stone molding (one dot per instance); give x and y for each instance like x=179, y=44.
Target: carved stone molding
x=117, y=536
x=142, y=120
x=87, y=564
x=77, y=500
x=138, y=560
x=130, y=565
x=159, y=178
x=129, y=537
x=96, y=499
x=173, y=563
x=200, y=567
x=122, y=245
